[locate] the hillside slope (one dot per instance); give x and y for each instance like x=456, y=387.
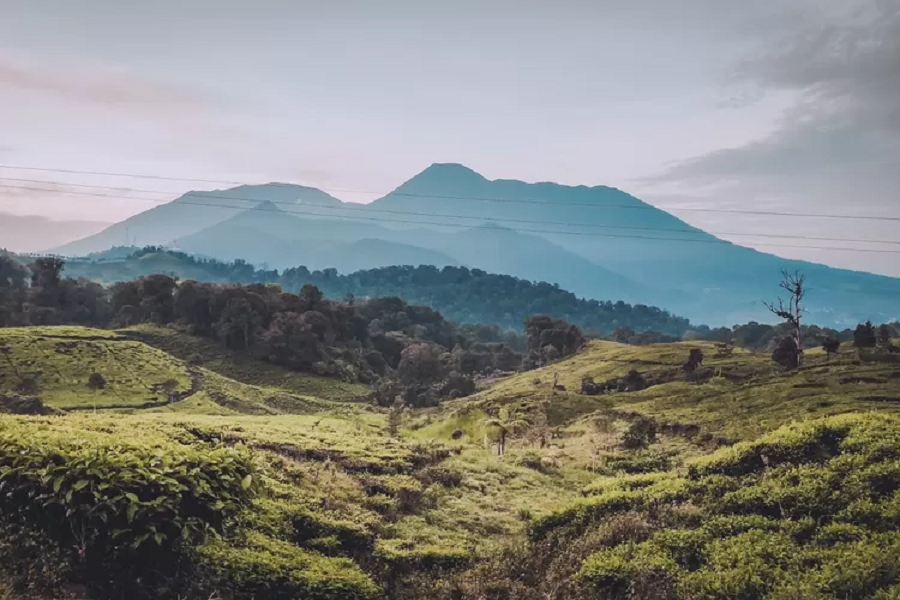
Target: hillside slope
x=82, y=369
x=268, y=234
x=357, y=502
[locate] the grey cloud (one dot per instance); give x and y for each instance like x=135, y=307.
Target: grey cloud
x=840, y=142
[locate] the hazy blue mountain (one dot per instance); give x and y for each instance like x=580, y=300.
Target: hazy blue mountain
x=28, y=233
x=272, y=236
x=597, y=241
x=191, y=213
x=688, y=270
x=497, y=249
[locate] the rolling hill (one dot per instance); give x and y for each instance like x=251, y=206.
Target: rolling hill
x=738, y=482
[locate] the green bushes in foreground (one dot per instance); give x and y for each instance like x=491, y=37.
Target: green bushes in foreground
x=811, y=510
x=144, y=516
x=119, y=511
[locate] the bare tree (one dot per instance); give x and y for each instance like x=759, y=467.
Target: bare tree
x=792, y=312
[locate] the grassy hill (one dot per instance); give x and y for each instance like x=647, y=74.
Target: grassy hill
x=56, y=364
x=744, y=482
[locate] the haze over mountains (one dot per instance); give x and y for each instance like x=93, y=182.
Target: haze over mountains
x=598, y=242
x=30, y=233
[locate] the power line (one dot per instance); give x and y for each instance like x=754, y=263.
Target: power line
x=473, y=198
x=366, y=209
x=518, y=230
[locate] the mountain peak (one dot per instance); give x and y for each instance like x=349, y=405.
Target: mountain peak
x=445, y=175
x=267, y=205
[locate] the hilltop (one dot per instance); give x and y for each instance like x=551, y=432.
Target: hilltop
x=73, y=369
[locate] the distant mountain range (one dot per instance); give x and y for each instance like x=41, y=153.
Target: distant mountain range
x=598, y=242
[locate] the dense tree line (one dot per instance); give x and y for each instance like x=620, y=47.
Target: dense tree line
x=404, y=350
x=461, y=294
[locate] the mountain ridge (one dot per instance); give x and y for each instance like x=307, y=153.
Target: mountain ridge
x=588, y=243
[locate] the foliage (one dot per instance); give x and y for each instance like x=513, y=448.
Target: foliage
x=640, y=434
x=461, y=294
x=865, y=336
x=123, y=507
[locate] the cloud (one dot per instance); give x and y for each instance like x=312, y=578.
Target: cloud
x=840, y=140
x=95, y=84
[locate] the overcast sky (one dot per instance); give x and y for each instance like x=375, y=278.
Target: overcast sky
x=774, y=105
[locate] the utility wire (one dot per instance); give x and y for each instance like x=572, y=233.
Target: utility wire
x=494, y=227
x=366, y=209
x=474, y=198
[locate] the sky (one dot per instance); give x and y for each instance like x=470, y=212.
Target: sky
x=774, y=105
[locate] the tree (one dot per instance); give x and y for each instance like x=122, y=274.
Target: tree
x=420, y=364
x=792, y=314
x=623, y=335
x=46, y=279
x=885, y=333
x=238, y=324
x=831, y=346
x=865, y=336
x=786, y=353
x=694, y=361
x=13, y=279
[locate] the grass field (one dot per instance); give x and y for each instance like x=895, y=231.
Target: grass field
x=378, y=511
x=55, y=364
x=240, y=367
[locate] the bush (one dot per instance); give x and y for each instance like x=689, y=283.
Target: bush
x=261, y=567
x=96, y=381
x=124, y=508
x=640, y=434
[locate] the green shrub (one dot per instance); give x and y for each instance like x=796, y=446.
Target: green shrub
x=126, y=507
x=586, y=512
x=641, y=570
x=262, y=567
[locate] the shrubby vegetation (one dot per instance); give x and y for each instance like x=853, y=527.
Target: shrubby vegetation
x=809, y=511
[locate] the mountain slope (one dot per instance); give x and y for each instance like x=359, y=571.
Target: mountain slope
x=273, y=236
x=191, y=213
x=502, y=250
x=693, y=272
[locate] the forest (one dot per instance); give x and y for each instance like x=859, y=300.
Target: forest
x=461, y=294
x=403, y=350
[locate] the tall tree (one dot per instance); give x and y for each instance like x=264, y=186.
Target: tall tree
x=865, y=336
x=792, y=313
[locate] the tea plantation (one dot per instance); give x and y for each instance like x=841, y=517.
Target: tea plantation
x=151, y=465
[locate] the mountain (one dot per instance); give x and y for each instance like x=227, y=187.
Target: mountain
x=686, y=269
x=268, y=235
x=29, y=233
x=272, y=237
x=498, y=249
x=599, y=242
x=193, y=212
